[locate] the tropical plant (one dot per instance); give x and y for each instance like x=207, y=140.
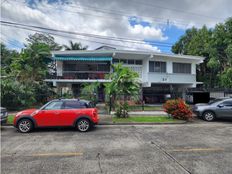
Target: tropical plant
x=124, y=84
x=75, y=46
x=89, y=91
x=178, y=109
x=15, y=95
x=7, y=56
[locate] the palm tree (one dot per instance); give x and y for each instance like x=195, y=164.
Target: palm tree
x=75, y=46
x=124, y=83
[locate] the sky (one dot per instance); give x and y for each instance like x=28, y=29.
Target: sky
x=153, y=25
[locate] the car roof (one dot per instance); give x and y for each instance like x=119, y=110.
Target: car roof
x=73, y=99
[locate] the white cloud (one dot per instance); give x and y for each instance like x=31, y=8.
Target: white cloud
x=147, y=31
x=49, y=15
x=82, y=17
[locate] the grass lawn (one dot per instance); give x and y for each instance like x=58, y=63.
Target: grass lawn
x=144, y=119
x=146, y=108
x=10, y=119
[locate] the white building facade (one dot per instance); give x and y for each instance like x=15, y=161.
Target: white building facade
x=160, y=74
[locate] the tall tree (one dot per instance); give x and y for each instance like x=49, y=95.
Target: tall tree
x=213, y=44
x=75, y=46
x=32, y=63
x=43, y=39
x=7, y=56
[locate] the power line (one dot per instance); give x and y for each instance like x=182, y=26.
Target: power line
x=10, y=43
x=122, y=13
x=164, y=21
x=65, y=36
x=177, y=10
x=90, y=35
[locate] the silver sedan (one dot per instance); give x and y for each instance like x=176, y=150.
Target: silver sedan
x=218, y=108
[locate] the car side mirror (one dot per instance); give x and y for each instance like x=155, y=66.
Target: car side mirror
x=220, y=105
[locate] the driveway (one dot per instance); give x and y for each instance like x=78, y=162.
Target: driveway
x=190, y=148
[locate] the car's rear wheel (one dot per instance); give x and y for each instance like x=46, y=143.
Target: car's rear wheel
x=209, y=116
x=83, y=125
x=25, y=125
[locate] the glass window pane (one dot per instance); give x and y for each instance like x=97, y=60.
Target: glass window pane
x=227, y=103
x=182, y=68
x=124, y=61
x=138, y=62
x=74, y=105
x=54, y=105
x=151, y=66
x=131, y=61
x=163, y=66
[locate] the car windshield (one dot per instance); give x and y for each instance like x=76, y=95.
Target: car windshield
x=215, y=100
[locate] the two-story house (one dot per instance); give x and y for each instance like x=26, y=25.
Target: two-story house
x=160, y=74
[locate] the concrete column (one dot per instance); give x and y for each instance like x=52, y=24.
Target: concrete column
x=169, y=67
x=193, y=68
x=59, y=68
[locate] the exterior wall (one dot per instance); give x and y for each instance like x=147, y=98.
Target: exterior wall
x=147, y=78
x=171, y=78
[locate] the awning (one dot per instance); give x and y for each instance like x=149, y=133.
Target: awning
x=65, y=58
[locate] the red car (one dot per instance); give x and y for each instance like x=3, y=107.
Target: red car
x=58, y=113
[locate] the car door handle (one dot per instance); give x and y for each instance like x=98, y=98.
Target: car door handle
x=56, y=113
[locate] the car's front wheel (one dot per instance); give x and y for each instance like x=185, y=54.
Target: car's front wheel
x=25, y=125
x=83, y=125
x=209, y=116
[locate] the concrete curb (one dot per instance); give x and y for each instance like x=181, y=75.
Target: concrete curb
x=7, y=125
x=164, y=123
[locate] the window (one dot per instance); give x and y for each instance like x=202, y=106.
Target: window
x=74, y=105
x=69, y=67
x=124, y=61
x=151, y=66
x=115, y=60
x=157, y=66
x=182, y=68
x=138, y=62
x=54, y=105
x=103, y=67
x=227, y=103
x=131, y=61
x=128, y=61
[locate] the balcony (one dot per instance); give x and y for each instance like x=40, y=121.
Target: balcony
x=79, y=76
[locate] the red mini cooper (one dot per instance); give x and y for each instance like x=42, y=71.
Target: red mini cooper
x=80, y=114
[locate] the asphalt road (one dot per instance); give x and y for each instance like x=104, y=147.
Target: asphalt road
x=189, y=148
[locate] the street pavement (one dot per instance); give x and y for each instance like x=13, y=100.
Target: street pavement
x=173, y=149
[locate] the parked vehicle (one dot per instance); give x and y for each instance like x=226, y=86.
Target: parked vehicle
x=76, y=113
x=218, y=108
x=4, y=115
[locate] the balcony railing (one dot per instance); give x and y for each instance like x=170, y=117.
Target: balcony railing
x=80, y=75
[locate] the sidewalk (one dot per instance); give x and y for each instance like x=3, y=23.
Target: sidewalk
x=146, y=113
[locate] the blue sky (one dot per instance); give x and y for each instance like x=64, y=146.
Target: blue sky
x=172, y=32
